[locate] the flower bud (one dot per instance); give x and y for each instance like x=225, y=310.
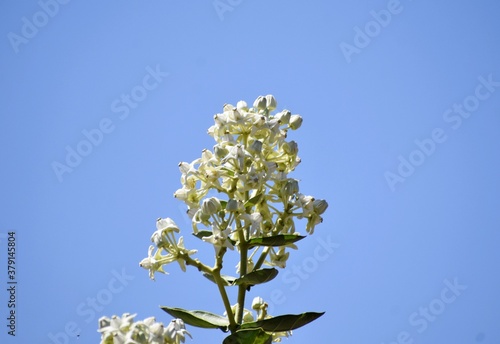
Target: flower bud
x=260, y=103
x=156, y=329
x=220, y=119
x=320, y=206
x=242, y=105
x=210, y=206
x=270, y=102
x=232, y=205
x=295, y=122
x=202, y=217
x=181, y=194
x=291, y=148
x=257, y=303
x=206, y=155
x=259, y=121
x=227, y=107
x=235, y=116
x=255, y=147
x=291, y=187
x=184, y=167
x=271, y=167
x=283, y=117
x=104, y=322
x=247, y=316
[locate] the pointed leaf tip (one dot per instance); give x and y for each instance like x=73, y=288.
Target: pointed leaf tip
x=257, y=277
x=196, y=318
x=277, y=240
x=282, y=323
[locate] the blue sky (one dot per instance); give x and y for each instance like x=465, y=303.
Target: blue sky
x=400, y=101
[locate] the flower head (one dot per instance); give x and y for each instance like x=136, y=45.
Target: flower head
x=219, y=238
x=154, y=263
x=125, y=331
x=175, y=332
x=163, y=228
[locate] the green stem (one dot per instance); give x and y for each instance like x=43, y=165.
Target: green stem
x=243, y=271
x=227, y=305
x=196, y=263
x=215, y=272
x=262, y=258
x=222, y=290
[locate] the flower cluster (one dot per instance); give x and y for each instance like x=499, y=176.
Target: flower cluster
x=124, y=330
x=250, y=165
x=240, y=196
x=164, y=240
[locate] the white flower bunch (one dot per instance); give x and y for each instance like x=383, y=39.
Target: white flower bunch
x=240, y=198
x=124, y=330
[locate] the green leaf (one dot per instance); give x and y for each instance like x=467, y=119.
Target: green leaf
x=229, y=280
x=253, y=201
x=253, y=336
x=277, y=240
x=223, y=204
x=282, y=323
x=202, y=234
x=198, y=318
x=257, y=277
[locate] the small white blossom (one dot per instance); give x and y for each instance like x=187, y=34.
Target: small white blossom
x=175, y=332
x=154, y=263
x=279, y=258
x=257, y=303
x=219, y=238
x=125, y=331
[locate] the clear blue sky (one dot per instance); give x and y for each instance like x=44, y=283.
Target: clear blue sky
x=401, y=105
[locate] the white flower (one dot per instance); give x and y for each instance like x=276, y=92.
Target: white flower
x=237, y=155
x=156, y=333
x=167, y=225
x=307, y=205
x=163, y=227
x=190, y=196
x=154, y=263
x=278, y=335
x=257, y=303
x=278, y=258
x=219, y=238
x=175, y=332
x=125, y=331
x=113, y=330
x=178, y=251
x=313, y=220
x=283, y=116
x=247, y=316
